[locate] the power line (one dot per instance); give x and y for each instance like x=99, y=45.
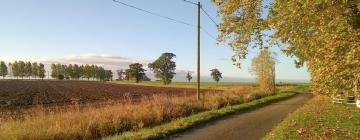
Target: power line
x=207, y=33
x=168, y=18
x=155, y=14
x=209, y=16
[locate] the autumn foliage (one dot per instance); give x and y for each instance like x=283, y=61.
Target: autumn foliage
x=322, y=34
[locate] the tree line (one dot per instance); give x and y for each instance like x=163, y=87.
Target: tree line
x=164, y=69
x=22, y=69
x=75, y=72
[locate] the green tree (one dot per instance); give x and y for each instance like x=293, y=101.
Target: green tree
x=76, y=72
x=87, y=71
x=145, y=78
x=3, y=69
x=120, y=74
x=263, y=67
x=164, y=67
x=28, y=69
x=41, y=71
x=35, y=70
x=15, y=69
x=216, y=75
x=136, y=72
x=108, y=75
x=21, y=69
x=127, y=74
x=188, y=76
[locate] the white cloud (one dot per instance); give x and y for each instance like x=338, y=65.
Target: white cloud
x=105, y=60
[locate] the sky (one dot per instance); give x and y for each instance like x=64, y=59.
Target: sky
x=112, y=35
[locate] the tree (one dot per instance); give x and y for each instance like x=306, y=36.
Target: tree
x=28, y=69
x=41, y=71
x=120, y=74
x=127, y=74
x=108, y=75
x=263, y=67
x=164, y=67
x=10, y=70
x=76, y=72
x=136, y=72
x=3, y=69
x=216, y=75
x=87, y=71
x=188, y=76
x=34, y=70
x=15, y=69
x=145, y=78
x=322, y=34
x=21, y=69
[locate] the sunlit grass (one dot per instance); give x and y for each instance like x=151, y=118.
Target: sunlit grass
x=89, y=122
x=320, y=119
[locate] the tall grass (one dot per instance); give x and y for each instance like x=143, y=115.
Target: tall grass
x=90, y=122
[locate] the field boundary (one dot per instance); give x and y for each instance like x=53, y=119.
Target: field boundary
x=185, y=123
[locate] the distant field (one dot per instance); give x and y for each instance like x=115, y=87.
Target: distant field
x=21, y=93
x=190, y=84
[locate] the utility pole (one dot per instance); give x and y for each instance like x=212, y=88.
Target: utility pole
x=274, y=80
x=198, y=50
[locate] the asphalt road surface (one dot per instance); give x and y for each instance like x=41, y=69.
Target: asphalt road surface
x=248, y=125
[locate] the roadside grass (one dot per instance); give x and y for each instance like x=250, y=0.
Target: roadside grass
x=319, y=119
x=182, y=124
x=93, y=122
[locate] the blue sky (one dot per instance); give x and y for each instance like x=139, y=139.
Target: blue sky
x=64, y=30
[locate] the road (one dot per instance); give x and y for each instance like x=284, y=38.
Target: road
x=249, y=125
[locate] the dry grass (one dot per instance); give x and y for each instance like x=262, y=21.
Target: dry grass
x=89, y=122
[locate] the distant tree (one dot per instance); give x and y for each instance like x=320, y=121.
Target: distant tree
x=10, y=70
x=15, y=69
x=57, y=71
x=216, y=75
x=136, y=72
x=93, y=70
x=108, y=75
x=127, y=74
x=87, y=71
x=21, y=69
x=188, y=76
x=35, y=70
x=145, y=78
x=41, y=71
x=120, y=74
x=3, y=69
x=82, y=71
x=262, y=67
x=28, y=69
x=76, y=72
x=54, y=71
x=164, y=67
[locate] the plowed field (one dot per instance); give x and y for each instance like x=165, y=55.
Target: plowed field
x=24, y=93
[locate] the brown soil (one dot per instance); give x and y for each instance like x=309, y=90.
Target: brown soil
x=17, y=93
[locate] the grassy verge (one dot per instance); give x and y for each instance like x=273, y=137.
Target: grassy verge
x=320, y=119
x=182, y=124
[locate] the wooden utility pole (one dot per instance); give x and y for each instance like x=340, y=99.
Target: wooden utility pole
x=274, y=79
x=198, y=50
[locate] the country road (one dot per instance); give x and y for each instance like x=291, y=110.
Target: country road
x=249, y=125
